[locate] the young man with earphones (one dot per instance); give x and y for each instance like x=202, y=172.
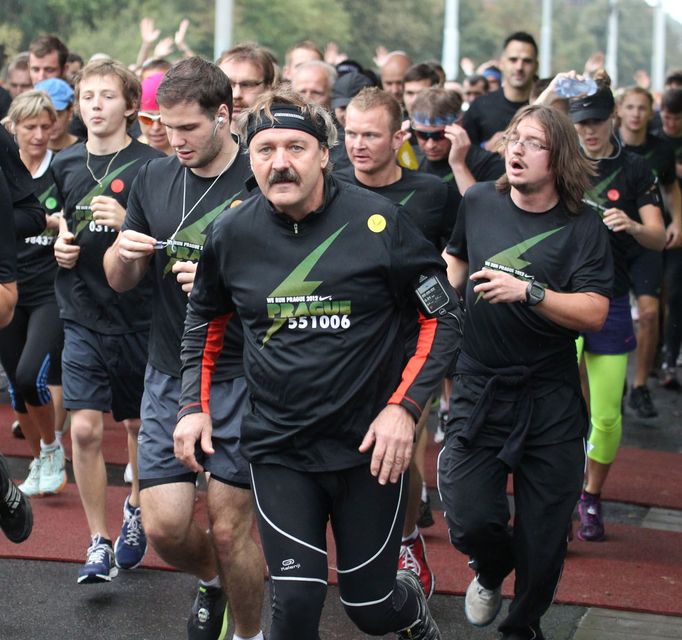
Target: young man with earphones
x=173, y=202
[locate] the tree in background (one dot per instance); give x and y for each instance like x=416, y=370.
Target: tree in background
x=357, y=26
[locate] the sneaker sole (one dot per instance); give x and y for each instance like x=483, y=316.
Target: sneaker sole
x=59, y=489
x=584, y=539
x=480, y=625
x=98, y=578
x=120, y=566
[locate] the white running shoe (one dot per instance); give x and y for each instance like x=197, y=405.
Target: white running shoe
x=52, y=471
x=482, y=605
x=31, y=486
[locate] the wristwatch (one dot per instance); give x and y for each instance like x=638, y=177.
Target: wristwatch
x=535, y=293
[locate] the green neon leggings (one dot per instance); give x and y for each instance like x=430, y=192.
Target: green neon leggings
x=606, y=377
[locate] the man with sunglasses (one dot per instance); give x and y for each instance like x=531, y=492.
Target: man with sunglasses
x=373, y=137
x=447, y=150
x=149, y=116
x=536, y=266
x=173, y=203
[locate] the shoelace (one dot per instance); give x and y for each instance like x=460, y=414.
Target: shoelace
x=408, y=559
x=485, y=594
x=34, y=470
x=133, y=530
x=98, y=553
x=205, y=604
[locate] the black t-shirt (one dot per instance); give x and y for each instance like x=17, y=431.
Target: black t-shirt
x=5, y=101
x=432, y=207
x=624, y=181
x=320, y=301
x=83, y=294
x=36, y=264
x=155, y=209
x=8, y=246
x=489, y=114
x=564, y=252
x=676, y=144
x=660, y=155
x=29, y=217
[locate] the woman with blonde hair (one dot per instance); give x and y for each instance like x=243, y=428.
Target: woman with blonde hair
x=30, y=346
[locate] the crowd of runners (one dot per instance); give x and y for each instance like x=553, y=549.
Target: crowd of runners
x=269, y=273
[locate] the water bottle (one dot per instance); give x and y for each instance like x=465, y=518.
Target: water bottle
x=572, y=87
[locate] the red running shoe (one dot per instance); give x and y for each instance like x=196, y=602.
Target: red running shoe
x=413, y=558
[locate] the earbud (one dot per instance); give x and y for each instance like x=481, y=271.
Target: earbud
x=221, y=119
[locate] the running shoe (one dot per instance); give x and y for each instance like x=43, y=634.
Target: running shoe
x=413, y=558
x=591, y=527
x=52, y=471
x=640, y=400
x=16, y=516
x=208, y=620
x=439, y=436
x=16, y=430
x=425, y=519
x=31, y=486
x=99, y=565
x=668, y=379
x=482, y=605
x=424, y=628
x=131, y=544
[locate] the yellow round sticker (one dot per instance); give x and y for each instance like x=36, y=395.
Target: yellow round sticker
x=235, y=203
x=376, y=223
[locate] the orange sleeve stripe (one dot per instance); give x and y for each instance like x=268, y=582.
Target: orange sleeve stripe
x=214, y=345
x=427, y=335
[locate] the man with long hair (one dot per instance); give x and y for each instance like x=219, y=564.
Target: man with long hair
x=536, y=267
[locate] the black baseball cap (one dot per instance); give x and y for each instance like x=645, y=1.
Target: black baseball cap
x=347, y=87
x=598, y=106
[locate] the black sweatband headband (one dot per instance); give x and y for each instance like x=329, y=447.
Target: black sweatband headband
x=284, y=116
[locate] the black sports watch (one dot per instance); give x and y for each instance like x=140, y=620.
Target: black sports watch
x=535, y=293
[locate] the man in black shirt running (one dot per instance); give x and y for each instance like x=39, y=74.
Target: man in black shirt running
x=173, y=202
x=331, y=416
x=373, y=136
x=537, y=269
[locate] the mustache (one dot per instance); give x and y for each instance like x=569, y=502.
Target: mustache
x=287, y=175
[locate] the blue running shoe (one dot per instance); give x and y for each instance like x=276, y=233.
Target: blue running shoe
x=131, y=544
x=99, y=565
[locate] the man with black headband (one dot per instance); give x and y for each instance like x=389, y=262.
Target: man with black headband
x=173, y=201
x=330, y=422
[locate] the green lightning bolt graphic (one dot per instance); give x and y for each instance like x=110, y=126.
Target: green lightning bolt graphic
x=295, y=283
x=511, y=257
x=83, y=216
x=194, y=234
x=596, y=193
x=406, y=199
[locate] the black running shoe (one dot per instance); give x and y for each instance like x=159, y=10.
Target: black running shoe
x=208, y=620
x=424, y=627
x=640, y=400
x=16, y=516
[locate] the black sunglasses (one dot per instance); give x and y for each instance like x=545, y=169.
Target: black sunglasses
x=436, y=136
